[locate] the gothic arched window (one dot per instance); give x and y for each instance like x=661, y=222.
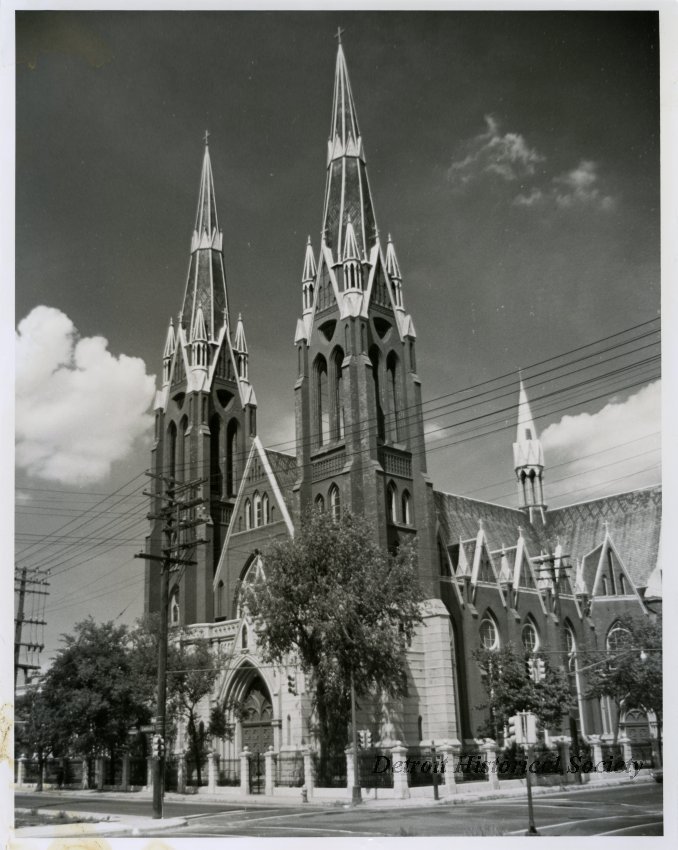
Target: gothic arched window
x=265, y=509
x=393, y=389
x=335, y=503
x=489, y=633
x=174, y=610
x=392, y=494
x=375, y=359
x=320, y=502
x=529, y=637
x=337, y=396
x=406, y=512
x=231, y=457
x=248, y=514
x=258, y=516
x=171, y=462
x=322, y=410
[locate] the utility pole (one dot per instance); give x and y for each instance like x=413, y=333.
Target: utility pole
x=33, y=587
x=356, y=796
x=171, y=558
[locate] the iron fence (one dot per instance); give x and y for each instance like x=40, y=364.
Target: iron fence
x=424, y=767
x=370, y=769
x=229, y=772
x=330, y=770
x=289, y=770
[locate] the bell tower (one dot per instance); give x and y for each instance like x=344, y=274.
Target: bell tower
x=205, y=413
x=360, y=436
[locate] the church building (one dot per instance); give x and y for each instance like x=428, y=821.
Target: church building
x=567, y=578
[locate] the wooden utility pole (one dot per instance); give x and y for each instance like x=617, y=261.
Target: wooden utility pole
x=171, y=558
x=27, y=586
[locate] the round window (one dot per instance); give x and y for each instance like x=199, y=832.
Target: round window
x=489, y=637
x=530, y=637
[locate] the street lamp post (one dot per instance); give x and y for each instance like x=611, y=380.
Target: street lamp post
x=356, y=796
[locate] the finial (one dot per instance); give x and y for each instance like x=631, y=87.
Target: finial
x=240, y=317
x=389, y=238
x=338, y=34
x=206, y=137
x=308, y=241
x=171, y=321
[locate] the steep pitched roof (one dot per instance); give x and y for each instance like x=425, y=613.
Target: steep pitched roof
x=633, y=520
x=284, y=468
x=458, y=517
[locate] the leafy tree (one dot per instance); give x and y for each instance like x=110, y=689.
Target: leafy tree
x=192, y=671
x=510, y=688
x=631, y=675
x=344, y=607
x=91, y=690
x=38, y=728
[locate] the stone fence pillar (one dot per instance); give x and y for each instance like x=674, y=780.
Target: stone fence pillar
x=212, y=772
x=269, y=772
x=564, y=743
x=627, y=752
x=489, y=747
x=245, y=770
x=181, y=772
x=149, y=772
x=450, y=754
x=596, y=757
x=352, y=772
x=99, y=771
x=21, y=761
x=309, y=770
x=401, y=789
x=656, y=752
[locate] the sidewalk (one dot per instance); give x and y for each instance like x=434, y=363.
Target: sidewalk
x=112, y=824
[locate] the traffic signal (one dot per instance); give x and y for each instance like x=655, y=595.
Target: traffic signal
x=291, y=684
x=158, y=746
x=365, y=738
x=541, y=669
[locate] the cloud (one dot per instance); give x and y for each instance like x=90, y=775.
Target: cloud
x=579, y=187
x=506, y=156
x=623, y=439
x=535, y=196
x=78, y=408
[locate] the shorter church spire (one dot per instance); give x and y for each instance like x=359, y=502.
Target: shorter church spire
x=308, y=278
x=528, y=458
x=168, y=353
x=240, y=349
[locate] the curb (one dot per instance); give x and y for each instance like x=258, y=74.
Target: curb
x=107, y=824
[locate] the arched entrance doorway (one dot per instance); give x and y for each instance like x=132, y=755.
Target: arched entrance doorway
x=257, y=718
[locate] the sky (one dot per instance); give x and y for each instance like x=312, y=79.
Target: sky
x=512, y=156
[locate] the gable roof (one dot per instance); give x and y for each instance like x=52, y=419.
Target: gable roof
x=632, y=519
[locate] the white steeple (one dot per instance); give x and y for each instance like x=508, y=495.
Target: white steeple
x=528, y=458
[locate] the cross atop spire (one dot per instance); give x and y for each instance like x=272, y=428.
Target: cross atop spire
x=340, y=31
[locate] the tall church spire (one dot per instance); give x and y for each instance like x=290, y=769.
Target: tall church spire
x=528, y=458
x=347, y=192
x=206, y=280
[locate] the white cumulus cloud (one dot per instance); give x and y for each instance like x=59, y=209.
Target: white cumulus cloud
x=506, y=155
x=580, y=186
x=78, y=407
x=617, y=448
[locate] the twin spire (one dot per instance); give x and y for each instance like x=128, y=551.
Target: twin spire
x=528, y=458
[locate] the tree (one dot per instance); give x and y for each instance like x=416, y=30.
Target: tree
x=90, y=688
x=511, y=688
x=38, y=728
x=192, y=671
x=344, y=607
x=631, y=672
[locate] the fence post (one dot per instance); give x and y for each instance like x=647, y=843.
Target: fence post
x=149, y=771
x=212, y=770
x=656, y=752
x=596, y=757
x=489, y=747
x=449, y=753
x=85, y=775
x=125, y=771
x=181, y=772
x=352, y=772
x=401, y=788
x=564, y=743
x=245, y=770
x=20, y=770
x=627, y=751
x=269, y=768
x=309, y=771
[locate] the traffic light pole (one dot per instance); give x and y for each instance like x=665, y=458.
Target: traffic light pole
x=356, y=796
x=531, y=828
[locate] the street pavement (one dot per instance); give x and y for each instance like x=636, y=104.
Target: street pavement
x=633, y=809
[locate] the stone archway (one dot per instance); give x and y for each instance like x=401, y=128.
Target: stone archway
x=256, y=715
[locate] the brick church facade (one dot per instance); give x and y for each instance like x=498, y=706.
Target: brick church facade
x=489, y=573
